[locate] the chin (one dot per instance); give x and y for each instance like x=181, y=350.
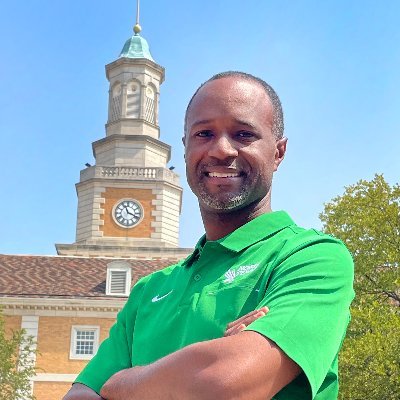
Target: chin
x=226, y=203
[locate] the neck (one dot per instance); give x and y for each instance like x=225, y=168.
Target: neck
x=218, y=223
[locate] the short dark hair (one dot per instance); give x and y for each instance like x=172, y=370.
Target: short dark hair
x=277, y=125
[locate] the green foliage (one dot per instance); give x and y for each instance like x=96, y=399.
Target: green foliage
x=367, y=219
x=15, y=364
x=370, y=358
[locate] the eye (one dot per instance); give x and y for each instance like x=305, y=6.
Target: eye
x=204, y=134
x=246, y=135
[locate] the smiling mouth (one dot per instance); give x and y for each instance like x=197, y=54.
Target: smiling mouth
x=223, y=174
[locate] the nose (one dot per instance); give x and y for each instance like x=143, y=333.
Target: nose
x=222, y=148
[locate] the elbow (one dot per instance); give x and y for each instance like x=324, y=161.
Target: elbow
x=71, y=396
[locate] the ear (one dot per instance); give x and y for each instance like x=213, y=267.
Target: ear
x=184, y=146
x=280, y=151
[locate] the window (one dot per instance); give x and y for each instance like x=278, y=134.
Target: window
x=84, y=342
x=118, y=278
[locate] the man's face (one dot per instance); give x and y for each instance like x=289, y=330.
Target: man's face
x=230, y=150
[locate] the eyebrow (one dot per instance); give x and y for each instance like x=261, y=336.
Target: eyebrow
x=237, y=121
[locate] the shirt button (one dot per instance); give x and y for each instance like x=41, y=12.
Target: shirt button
x=197, y=277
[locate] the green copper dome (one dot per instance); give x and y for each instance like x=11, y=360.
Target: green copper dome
x=136, y=47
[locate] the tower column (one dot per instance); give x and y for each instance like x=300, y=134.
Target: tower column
x=109, y=104
x=142, y=101
x=156, y=106
x=124, y=93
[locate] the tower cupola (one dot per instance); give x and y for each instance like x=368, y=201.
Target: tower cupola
x=136, y=46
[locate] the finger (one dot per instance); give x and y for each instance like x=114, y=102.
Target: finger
x=236, y=321
x=245, y=321
x=234, y=330
x=240, y=328
x=250, y=317
x=229, y=331
x=250, y=314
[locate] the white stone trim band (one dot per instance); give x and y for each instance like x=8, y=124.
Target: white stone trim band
x=55, y=378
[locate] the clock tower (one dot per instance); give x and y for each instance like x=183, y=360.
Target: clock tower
x=129, y=202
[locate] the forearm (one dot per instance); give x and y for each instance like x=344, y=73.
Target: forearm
x=246, y=366
x=170, y=378
x=188, y=365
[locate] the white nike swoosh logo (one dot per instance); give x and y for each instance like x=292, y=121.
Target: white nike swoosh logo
x=157, y=298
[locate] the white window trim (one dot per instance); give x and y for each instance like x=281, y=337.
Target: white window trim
x=119, y=266
x=74, y=330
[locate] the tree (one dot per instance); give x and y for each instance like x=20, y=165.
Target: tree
x=367, y=219
x=16, y=367
x=370, y=358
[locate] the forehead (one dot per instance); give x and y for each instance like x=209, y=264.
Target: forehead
x=231, y=95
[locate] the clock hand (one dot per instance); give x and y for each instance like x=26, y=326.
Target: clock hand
x=128, y=212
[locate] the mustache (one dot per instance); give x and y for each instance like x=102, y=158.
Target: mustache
x=228, y=164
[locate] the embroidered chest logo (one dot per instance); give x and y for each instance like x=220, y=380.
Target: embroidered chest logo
x=158, y=297
x=231, y=274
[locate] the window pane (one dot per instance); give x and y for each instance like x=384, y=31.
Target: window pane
x=84, y=342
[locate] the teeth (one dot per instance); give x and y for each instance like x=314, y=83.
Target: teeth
x=222, y=175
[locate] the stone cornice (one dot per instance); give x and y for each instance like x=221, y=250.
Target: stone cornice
x=134, y=138
x=154, y=174
x=104, y=247
x=144, y=62
x=61, y=307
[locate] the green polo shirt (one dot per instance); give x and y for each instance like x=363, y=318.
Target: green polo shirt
x=304, y=277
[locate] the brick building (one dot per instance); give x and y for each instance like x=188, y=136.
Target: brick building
x=127, y=226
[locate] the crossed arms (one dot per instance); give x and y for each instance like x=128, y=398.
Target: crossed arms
x=241, y=365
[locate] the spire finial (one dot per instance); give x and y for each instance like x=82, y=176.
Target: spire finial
x=137, y=28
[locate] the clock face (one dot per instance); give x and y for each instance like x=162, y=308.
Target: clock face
x=128, y=213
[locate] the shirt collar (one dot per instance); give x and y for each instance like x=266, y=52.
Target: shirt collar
x=196, y=252
x=255, y=230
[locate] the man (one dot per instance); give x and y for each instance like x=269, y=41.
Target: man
x=169, y=341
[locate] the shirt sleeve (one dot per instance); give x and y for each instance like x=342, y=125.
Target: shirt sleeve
x=114, y=354
x=308, y=295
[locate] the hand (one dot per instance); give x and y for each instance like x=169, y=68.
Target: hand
x=241, y=323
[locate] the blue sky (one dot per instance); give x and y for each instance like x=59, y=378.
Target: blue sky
x=335, y=65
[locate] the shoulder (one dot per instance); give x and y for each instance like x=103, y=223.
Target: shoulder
x=299, y=239
x=315, y=256
x=146, y=283
x=157, y=276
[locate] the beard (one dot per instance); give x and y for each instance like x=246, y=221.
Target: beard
x=224, y=201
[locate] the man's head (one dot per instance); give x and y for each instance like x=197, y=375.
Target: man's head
x=233, y=143
x=278, y=124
